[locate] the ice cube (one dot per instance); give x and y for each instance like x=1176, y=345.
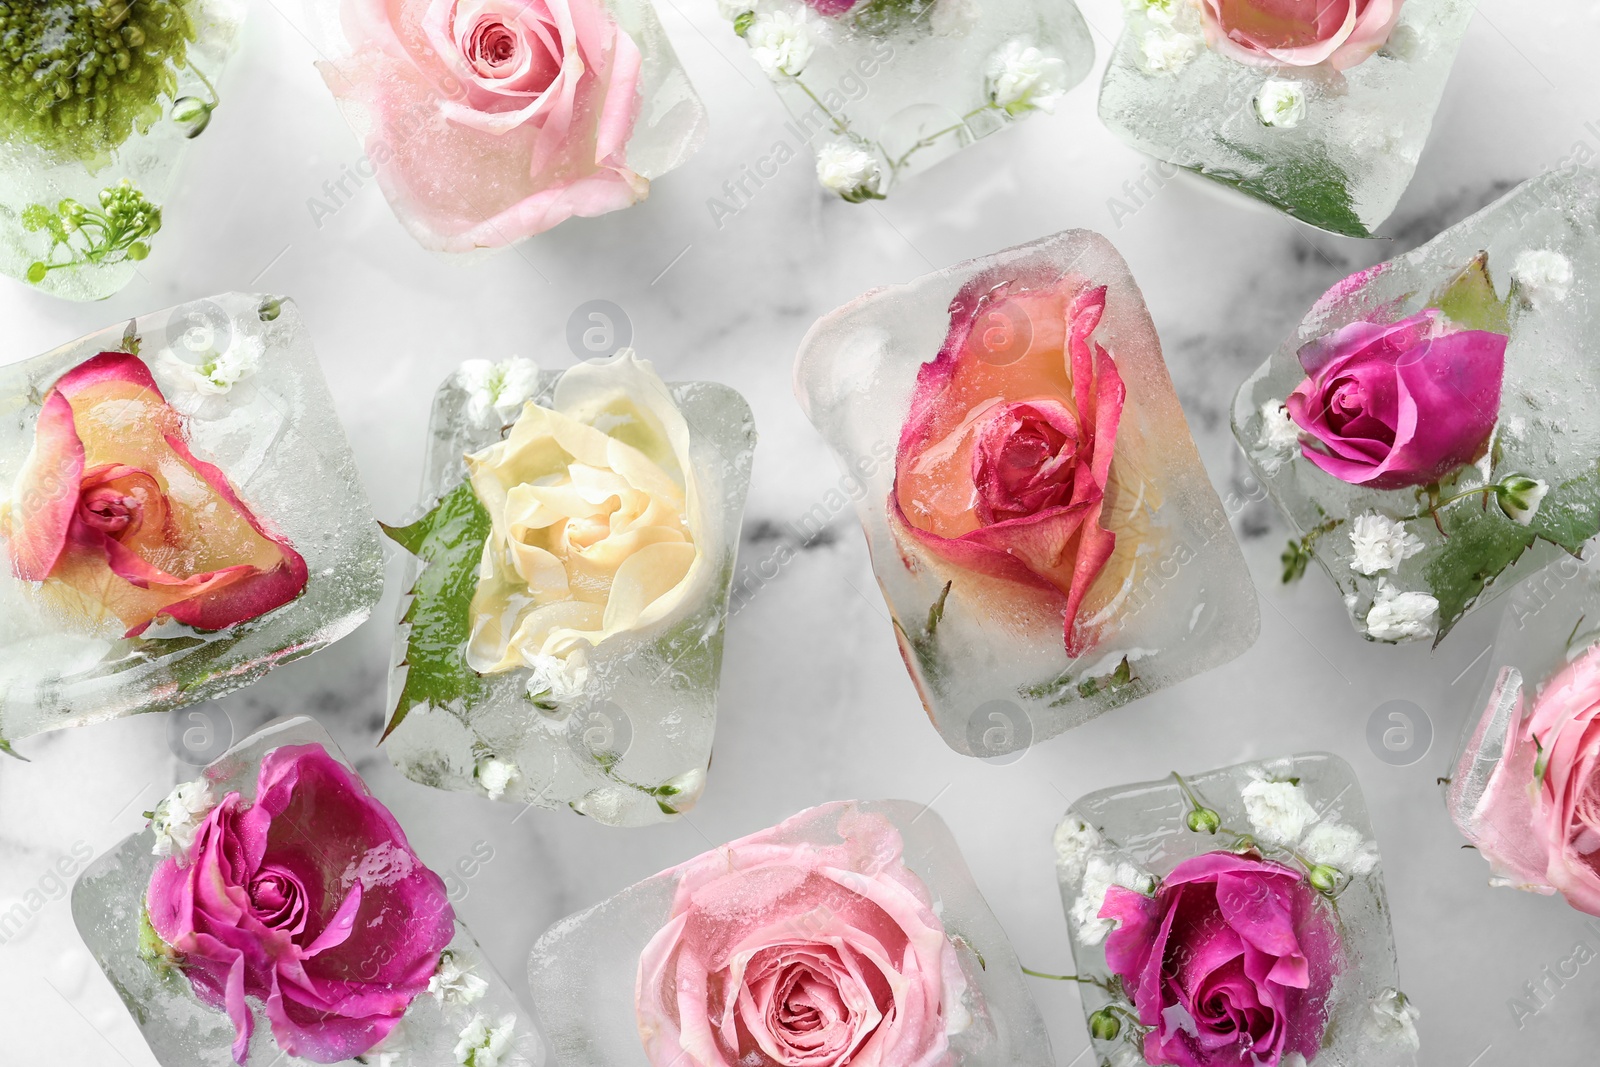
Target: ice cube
x=1306, y=815
x=238, y=375
x=1508, y=467
x=882, y=89
x=466, y=1002
x=478, y=151
x=621, y=730
x=1015, y=623
x=1330, y=136
x=85, y=179
x=585, y=968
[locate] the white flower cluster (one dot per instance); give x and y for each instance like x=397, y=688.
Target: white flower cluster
x=177, y=818
x=1280, y=103
x=1281, y=815
x=1397, y=615
x=483, y=1045
x=220, y=371
x=848, y=170
x=1394, y=1019
x=1022, y=77
x=556, y=680
x=497, y=391
x=953, y=18
x=495, y=775
x=780, y=43
x=453, y=984
x=1080, y=854
x=1380, y=543
x=1279, y=434
x=1165, y=47
x=1542, y=275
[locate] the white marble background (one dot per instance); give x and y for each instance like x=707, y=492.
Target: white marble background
x=816, y=705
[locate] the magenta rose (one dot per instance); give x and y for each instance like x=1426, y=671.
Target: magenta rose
x=1542, y=831
x=780, y=954
x=1399, y=405
x=490, y=120
x=1299, y=33
x=1230, y=964
x=308, y=900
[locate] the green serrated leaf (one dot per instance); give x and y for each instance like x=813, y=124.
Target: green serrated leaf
x=1570, y=514
x=1478, y=546
x=449, y=541
x=1311, y=188
x=1469, y=300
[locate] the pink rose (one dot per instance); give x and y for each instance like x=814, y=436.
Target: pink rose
x=1230, y=964
x=1003, y=463
x=1299, y=33
x=784, y=954
x=1399, y=405
x=833, y=8
x=1542, y=831
x=308, y=900
x=491, y=120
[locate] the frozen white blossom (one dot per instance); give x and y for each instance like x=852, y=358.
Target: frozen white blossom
x=1542, y=274
x=848, y=170
x=1099, y=875
x=1075, y=841
x=495, y=775
x=682, y=793
x=953, y=18
x=1520, y=496
x=1164, y=51
x=483, y=1045
x=1380, y=543
x=497, y=391
x=556, y=680
x=1278, y=430
x=1022, y=76
x=218, y=372
x=1394, y=1019
x=177, y=818
x=451, y=984
x=1396, y=615
x=780, y=43
x=1341, y=847
x=1281, y=103
x=1279, y=811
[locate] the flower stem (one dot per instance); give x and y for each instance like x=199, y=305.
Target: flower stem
x=1099, y=983
x=933, y=138
x=211, y=90
x=839, y=124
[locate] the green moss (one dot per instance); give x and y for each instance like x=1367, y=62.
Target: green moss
x=78, y=78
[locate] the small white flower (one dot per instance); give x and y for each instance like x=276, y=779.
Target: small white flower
x=1280, y=103
x=495, y=775
x=1542, y=275
x=1519, y=497
x=557, y=680
x=482, y=1045
x=1075, y=841
x=780, y=43
x=1099, y=875
x=451, y=984
x=1021, y=76
x=1278, y=430
x=1394, y=1019
x=1339, y=846
x=177, y=818
x=497, y=391
x=1279, y=811
x=848, y=170
x=1163, y=51
x=732, y=9
x=1380, y=543
x=682, y=793
x=1400, y=616
x=953, y=18
x=219, y=372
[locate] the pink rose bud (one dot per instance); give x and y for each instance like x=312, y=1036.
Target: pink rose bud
x=1299, y=33
x=1401, y=405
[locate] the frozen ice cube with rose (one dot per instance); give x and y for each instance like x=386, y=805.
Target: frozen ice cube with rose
x=851, y=932
x=489, y=123
x=183, y=513
x=1046, y=537
x=1236, y=916
x=561, y=641
x=1430, y=430
x=883, y=89
x=273, y=912
x=1318, y=109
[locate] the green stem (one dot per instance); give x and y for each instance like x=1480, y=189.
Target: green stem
x=1098, y=983
x=211, y=90
x=839, y=124
x=933, y=138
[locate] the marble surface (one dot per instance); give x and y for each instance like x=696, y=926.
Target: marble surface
x=816, y=705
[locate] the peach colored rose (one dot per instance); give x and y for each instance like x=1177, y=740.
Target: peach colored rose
x=1299, y=33
x=491, y=120
x=117, y=519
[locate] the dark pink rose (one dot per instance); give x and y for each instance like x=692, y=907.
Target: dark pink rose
x=308, y=900
x=1299, y=33
x=1541, y=831
x=1231, y=962
x=1399, y=405
x=833, y=8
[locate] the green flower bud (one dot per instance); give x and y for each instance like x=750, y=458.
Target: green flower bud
x=138, y=250
x=741, y=25
x=1204, y=821
x=36, y=273
x=1326, y=880
x=1519, y=496
x=192, y=115
x=1104, y=1025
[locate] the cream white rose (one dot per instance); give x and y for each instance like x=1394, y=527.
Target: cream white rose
x=596, y=523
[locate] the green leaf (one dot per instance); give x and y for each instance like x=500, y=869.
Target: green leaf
x=1311, y=188
x=1570, y=513
x=5, y=746
x=1469, y=300
x=1479, y=544
x=449, y=541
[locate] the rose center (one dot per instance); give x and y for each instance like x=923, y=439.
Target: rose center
x=493, y=46
x=109, y=510
x=518, y=57
x=1025, y=461
x=278, y=899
